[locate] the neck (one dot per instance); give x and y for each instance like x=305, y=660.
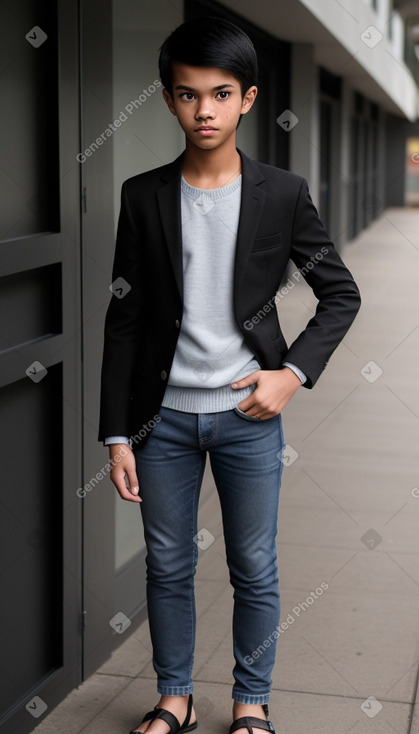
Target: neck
x=211, y=168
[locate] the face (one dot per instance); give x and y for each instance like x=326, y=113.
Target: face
x=208, y=103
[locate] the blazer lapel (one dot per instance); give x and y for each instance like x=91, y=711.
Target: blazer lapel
x=168, y=197
x=252, y=204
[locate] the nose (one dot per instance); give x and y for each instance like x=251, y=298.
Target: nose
x=204, y=110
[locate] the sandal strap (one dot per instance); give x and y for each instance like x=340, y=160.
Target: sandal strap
x=170, y=719
x=158, y=713
x=150, y=715
x=188, y=712
x=250, y=722
x=147, y=717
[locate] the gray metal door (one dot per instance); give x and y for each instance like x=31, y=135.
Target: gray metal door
x=40, y=361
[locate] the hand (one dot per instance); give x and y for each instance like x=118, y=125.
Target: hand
x=275, y=389
x=124, y=469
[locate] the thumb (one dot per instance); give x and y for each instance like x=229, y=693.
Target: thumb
x=245, y=381
x=131, y=481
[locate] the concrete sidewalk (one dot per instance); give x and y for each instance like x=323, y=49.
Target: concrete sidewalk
x=348, y=520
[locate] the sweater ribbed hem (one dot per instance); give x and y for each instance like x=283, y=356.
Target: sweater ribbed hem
x=204, y=400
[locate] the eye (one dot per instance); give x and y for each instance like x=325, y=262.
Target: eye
x=224, y=93
x=187, y=95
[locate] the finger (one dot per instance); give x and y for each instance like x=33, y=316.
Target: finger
x=126, y=494
x=246, y=405
x=118, y=479
x=245, y=381
x=131, y=481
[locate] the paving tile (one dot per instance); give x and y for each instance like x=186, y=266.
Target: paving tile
x=212, y=565
x=333, y=526
x=132, y=656
x=302, y=713
x=208, y=594
x=337, y=644
x=219, y=663
x=349, y=571
x=213, y=707
x=361, y=489
x=290, y=711
x=348, y=645
x=83, y=704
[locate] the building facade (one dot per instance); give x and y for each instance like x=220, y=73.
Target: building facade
x=338, y=104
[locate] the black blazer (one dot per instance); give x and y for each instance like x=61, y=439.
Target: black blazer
x=278, y=221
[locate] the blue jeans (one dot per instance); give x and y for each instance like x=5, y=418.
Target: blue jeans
x=245, y=456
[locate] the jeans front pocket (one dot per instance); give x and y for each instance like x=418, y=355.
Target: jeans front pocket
x=246, y=417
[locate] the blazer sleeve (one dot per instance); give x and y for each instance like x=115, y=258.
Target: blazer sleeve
x=333, y=285
x=122, y=327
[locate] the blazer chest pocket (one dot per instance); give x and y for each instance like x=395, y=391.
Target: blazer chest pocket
x=267, y=243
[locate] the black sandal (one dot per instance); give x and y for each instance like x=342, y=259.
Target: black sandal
x=248, y=722
x=170, y=719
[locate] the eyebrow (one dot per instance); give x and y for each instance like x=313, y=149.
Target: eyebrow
x=214, y=89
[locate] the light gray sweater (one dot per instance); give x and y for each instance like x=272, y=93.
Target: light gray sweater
x=211, y=352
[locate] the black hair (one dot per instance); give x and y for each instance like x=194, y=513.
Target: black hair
x=210, y=41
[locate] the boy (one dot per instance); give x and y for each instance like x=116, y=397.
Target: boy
x=195, y=361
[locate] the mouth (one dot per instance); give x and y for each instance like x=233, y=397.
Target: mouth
x=205, y=130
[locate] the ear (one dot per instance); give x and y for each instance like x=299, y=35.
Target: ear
x=169, y=101
x=248, y=100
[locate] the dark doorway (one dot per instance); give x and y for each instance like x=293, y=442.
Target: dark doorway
x=364, y=204
x=330, y=147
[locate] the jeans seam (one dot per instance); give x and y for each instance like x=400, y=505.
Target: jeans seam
x=194, y=530
x=214, y=431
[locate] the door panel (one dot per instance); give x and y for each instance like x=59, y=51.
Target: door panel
x=40, y=361
x=32, y=535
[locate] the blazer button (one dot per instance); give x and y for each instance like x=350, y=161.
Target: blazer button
x=177, y=323
x=163, y=374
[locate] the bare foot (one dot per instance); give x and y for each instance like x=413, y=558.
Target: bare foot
x=247, y=709
x=177, y=705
